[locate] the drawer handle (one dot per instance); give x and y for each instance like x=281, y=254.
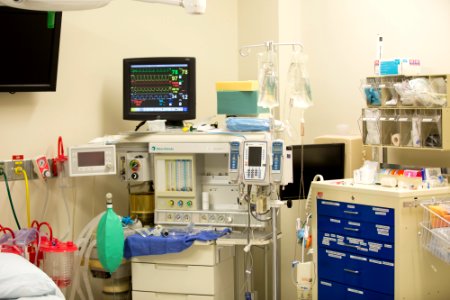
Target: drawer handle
x=349, y=212
x=351, y=271
x=171, y=267
x=351, y=229
x=349, y=245
x=171, y=296
x=354, y=291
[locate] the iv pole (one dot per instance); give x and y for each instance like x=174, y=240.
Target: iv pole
x=245, y=50
x=276, y=204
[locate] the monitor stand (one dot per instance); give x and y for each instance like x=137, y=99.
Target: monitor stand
x=173, y=123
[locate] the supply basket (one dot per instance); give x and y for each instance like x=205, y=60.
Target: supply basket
x=436, y=228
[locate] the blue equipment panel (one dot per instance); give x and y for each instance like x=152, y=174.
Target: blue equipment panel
x=356, y=258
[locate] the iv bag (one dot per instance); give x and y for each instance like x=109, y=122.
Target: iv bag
x=268, y=79
x=298, y=89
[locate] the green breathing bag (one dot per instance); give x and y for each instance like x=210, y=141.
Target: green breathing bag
x=110, y=238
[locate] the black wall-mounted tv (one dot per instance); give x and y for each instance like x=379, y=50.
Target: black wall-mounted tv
x=327, y=160
x=159, y=88
x=29, y=50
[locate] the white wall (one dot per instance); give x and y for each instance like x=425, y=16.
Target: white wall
x=88, y=101
x=340, y=38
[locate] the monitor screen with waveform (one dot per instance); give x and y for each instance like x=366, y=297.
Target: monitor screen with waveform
x=159, y=88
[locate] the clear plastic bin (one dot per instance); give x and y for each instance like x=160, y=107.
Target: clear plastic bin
x=390, y=135
x=431, y=124
x=57, y=262
x=370, y=124
x=405, y=125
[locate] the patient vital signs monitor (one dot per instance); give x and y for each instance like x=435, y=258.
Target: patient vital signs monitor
x=159, y=88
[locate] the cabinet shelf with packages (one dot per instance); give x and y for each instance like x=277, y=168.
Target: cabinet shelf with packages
x=410, y=112
x=368, y=243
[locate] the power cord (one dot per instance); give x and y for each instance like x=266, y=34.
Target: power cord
x=139, y=125
x=19, y=169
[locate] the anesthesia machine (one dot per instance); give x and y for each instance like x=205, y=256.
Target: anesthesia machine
x=196, y=180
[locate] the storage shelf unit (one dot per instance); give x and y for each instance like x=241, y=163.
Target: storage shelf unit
x=435, y=122
x=384, y=87
x=422, y=124
x=367, y=244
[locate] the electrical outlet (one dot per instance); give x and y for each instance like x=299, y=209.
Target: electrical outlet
x=9, y=169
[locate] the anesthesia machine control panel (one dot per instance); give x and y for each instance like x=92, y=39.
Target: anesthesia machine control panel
x=205, y=179
x=201, y=179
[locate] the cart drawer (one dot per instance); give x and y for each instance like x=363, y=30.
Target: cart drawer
x=360, y=271
x=332, y=290
x=371, y=231
x=355, y=245
x=168, y=278
x=358, y=212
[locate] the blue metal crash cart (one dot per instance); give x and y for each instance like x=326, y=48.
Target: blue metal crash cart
x=367, y=242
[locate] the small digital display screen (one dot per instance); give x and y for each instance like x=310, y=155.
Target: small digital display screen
x=91, y=159
x=254, y=156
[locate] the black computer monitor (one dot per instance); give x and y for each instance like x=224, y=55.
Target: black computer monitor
x=327, y=160
x=159, y=88
x=29, y=50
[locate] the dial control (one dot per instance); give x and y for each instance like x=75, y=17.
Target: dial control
x=134, y=164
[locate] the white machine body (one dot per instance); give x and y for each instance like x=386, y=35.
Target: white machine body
x=91, y=159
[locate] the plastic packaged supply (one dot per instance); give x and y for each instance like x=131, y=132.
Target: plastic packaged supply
x=248, y=124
